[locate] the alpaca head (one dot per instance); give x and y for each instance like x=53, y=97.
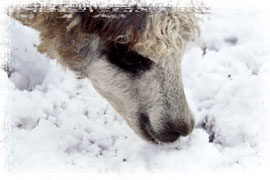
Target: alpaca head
x=144, y=84
x=132, y=57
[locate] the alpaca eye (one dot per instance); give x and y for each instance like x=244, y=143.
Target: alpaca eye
x=128, y=61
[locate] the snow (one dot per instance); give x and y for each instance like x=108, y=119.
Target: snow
x=58, y=122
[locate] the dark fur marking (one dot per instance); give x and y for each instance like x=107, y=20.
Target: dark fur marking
x=129, y=61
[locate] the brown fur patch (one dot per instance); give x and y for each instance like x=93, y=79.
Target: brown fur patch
x=67, y=42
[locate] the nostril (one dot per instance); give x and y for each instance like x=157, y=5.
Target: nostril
x=166, y=135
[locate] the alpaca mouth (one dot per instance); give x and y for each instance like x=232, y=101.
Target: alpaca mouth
x=167, y=135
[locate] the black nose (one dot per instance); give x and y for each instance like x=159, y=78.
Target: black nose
x=167, y=136
x=183, y=129
x=183, y=126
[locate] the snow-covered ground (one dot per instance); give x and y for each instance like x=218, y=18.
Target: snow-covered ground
x=58, y=122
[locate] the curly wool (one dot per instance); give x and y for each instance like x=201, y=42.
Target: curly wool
x=167, y=32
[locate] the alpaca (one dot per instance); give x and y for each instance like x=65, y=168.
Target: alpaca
x=131, y=55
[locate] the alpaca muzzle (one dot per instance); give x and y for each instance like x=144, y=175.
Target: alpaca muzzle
x=168, y=133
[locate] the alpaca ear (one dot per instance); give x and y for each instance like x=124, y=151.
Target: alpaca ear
x=25, y=15
x=42, y=18
x=59, y=28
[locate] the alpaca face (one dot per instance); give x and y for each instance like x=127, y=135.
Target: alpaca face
x=148, y=94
